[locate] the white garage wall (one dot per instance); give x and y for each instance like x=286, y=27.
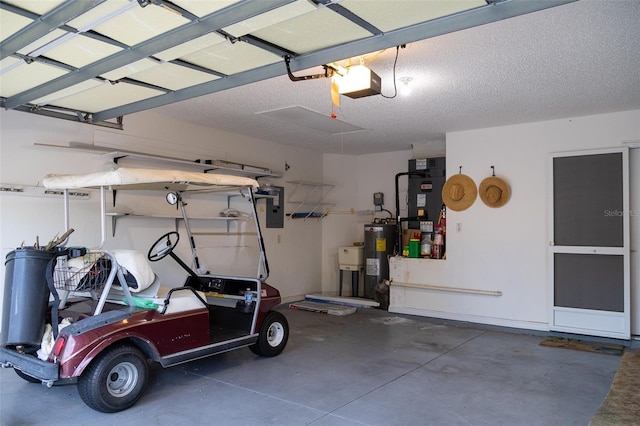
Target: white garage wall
x=496, y=249
x=509, y=245
x=502, y=249
x=293, y=251
x=356, y=179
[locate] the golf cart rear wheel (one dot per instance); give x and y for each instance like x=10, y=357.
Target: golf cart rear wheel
x=274, y=333
x=115, y=380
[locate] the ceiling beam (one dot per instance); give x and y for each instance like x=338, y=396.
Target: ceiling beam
x=44, y=24
x=346, y=13
x=207, y=24
x=479, y=16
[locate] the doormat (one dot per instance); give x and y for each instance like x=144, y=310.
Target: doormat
x=622, y=404
x=324, y=308
x=579, y=345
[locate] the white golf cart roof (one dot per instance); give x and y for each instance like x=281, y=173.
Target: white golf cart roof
x=124, y=178
x=133, y=178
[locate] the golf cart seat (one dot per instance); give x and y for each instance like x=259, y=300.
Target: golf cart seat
x=150, y=292
x=180, y=299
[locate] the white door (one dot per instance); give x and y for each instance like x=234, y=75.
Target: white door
x=589, y=243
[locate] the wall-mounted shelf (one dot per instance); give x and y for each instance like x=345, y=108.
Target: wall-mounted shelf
x=40, y=191
x=206, y=166
x=309, y=199
x=115, y=216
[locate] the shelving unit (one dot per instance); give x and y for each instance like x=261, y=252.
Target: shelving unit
x=39, y=191
x=308, y=198
x=115, y=216
x=206, y=166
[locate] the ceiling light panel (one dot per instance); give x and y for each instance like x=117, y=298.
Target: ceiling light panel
x=313, y=31
x=231, y=58
x=389, y=15
x=289, y=11
x=203, y=8
x=192, y=46
x=10, y=23
x=27, y=76
x=174, y=77
x=107, y=96
x=135, y=25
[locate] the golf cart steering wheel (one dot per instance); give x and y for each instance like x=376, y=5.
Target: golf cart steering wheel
x=162, y=248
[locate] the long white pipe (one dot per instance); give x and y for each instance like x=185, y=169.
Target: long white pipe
x=450, y=289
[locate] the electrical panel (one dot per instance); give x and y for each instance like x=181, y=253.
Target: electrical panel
x=275, y=209
x=425, y=191
x=378, y=200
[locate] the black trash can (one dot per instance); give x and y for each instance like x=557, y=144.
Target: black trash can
x=26, y=296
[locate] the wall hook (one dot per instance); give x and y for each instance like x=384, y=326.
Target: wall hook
x=493, y=171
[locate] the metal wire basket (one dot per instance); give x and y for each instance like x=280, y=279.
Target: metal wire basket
x=87, y=273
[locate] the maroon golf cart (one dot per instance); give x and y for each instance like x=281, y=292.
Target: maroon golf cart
x=98, y=316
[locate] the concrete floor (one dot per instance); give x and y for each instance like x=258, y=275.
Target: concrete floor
x=371, y=368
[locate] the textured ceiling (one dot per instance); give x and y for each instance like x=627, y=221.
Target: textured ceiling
x=577, y=59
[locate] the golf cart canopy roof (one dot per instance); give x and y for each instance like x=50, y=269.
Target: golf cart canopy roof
x=132, y=178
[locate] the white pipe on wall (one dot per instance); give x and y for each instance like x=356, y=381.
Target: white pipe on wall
x=450, y=289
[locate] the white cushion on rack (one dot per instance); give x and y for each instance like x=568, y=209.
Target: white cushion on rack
x=133, y=262
x=137, y=265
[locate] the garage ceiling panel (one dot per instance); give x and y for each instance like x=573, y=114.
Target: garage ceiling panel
x=81, y=51
x=184, y=49
x=172, y=76
x=26, y=76
x=39, y=7
x=58, y=53
x=389, y=15
x=130, y=23
x=268, y=19
x=107, y=96
x=320, y=29
x=69, y=91
x=43, y=41
x=231, y=58
x=203, y=8
x=10, y=23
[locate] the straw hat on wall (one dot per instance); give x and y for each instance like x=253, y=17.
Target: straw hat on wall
x=494, y=192
x=459, y=192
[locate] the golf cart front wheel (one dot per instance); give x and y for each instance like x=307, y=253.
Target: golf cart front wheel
x=274, y=333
